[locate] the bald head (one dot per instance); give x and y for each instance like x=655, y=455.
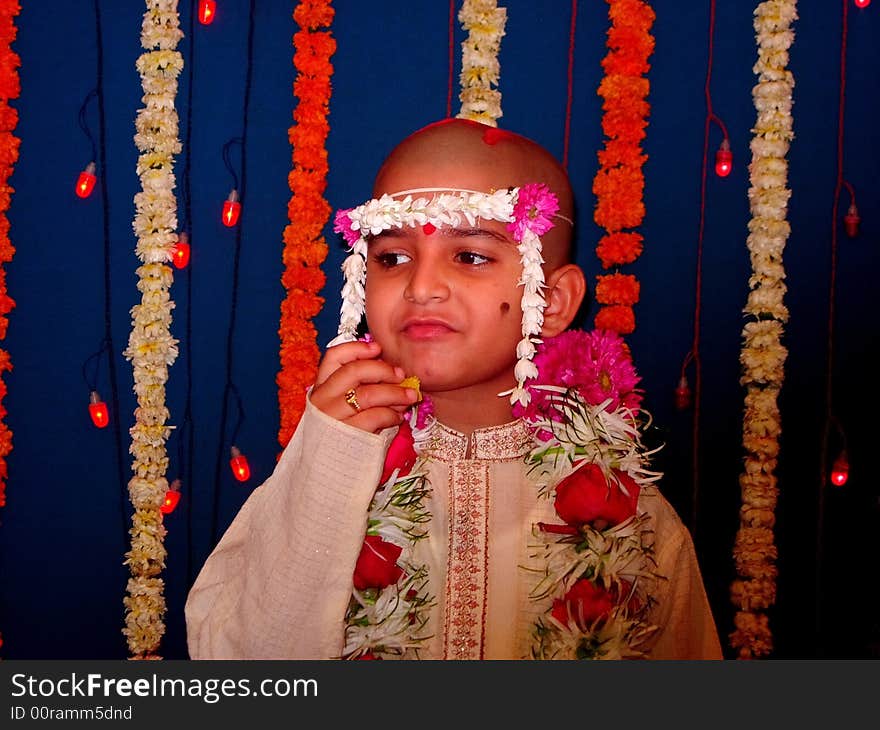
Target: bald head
x=459, y=153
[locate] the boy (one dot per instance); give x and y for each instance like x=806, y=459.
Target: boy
x=464, y=256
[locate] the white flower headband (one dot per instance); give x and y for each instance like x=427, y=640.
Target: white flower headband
x=527, y=210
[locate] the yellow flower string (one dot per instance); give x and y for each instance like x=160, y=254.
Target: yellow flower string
x=619, y=183
x=762, y=356
x=151, y=349
x=304, y=246
x=9, y=143
x=484, y=22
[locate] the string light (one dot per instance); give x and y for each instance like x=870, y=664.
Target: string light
x=683, y=394
x=851, y=220
x=172, y=497
x=98, y=410
x=231, y=209
x=723, y=159
x=862, y=3
x=239, y=463
x=180, y=251
x=86, y=181
x=840, y=469
x=207, y=9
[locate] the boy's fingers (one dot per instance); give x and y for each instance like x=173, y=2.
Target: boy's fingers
x=375, y=419
x=340, y=355
x=364, y=397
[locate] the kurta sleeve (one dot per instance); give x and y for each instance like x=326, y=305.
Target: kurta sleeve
x=278, y=583
x=686, y=626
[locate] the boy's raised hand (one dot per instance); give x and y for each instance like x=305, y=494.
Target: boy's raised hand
x=355, y=386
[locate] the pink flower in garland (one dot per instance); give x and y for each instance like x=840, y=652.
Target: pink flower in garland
x=535, y=206
x=342, y=224
x=597, y=363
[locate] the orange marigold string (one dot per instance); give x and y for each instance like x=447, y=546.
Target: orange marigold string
x=619, y=183
x=9, y=89
x=304, y=246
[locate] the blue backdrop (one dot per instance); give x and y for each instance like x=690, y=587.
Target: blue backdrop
x=64, y=529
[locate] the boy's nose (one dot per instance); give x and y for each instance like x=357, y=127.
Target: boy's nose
x=427, y=283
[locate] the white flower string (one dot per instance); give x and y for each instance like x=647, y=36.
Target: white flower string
x=763, y=355
x=484, y=21
x=528, y=211
x=151, y=349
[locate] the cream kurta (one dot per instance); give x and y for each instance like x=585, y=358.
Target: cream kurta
x=278, y=583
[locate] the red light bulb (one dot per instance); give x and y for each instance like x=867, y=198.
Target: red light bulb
x=180, y=251
x=851, y=221
x=86, y=182
x=723, y=159
x=98, y=410
x=172, y=497
x=862, y=3
x=231, y=209
x=239, y=463
x=840, y=470
x=206, y=11
x=683, y=395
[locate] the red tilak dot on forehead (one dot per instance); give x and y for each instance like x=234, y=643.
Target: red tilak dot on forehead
x=429, y=228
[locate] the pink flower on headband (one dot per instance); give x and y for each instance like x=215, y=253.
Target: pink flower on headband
x=342, y=224
x=535, y=205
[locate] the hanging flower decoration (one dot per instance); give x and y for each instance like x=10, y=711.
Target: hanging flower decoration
x=763, y=356
x=151, y=349
x=304, y=246
x=484, y=22
x=9, y=143
x=619, y=183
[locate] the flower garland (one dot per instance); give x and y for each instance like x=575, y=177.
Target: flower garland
x=9, y=143
x=619, y=183
x=484, y=22
x=151, y=349
x=308, y=211
x=589, y=459
x=763, y=356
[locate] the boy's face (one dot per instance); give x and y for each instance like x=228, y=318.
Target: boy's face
x=445, y=305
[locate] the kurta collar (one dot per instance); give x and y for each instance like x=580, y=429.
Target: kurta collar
x=495, y=443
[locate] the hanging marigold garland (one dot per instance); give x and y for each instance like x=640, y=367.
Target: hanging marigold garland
x=304, y=246
x=619, y=183
x=151, y=348
x=763, y=356
x=484, y=22
x=9, y=143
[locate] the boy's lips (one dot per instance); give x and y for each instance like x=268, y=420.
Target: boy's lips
x=426, y=328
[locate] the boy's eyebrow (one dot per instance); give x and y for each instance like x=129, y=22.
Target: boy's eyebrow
x=456, y=232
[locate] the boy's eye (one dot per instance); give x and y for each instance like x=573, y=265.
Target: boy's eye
x=390, y=259
x=471, y=258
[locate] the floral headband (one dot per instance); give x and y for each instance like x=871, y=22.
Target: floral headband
x=527, y=210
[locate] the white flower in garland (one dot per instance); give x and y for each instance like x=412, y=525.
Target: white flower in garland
x=763, y=355
x=151, y=348
x=484, y=21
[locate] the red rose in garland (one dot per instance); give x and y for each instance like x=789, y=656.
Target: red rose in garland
x=587, y=603
x=587, y=497
x=377, y=564
x=401, y=454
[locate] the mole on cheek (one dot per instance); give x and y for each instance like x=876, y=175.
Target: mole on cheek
x=505, y=307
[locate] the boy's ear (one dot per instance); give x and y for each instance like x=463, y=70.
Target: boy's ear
x=565, y=290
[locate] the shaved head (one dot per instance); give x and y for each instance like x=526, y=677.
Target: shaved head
x=459, y=153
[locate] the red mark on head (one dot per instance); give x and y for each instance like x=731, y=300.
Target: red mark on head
x=493, y=135
x=429, y=228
